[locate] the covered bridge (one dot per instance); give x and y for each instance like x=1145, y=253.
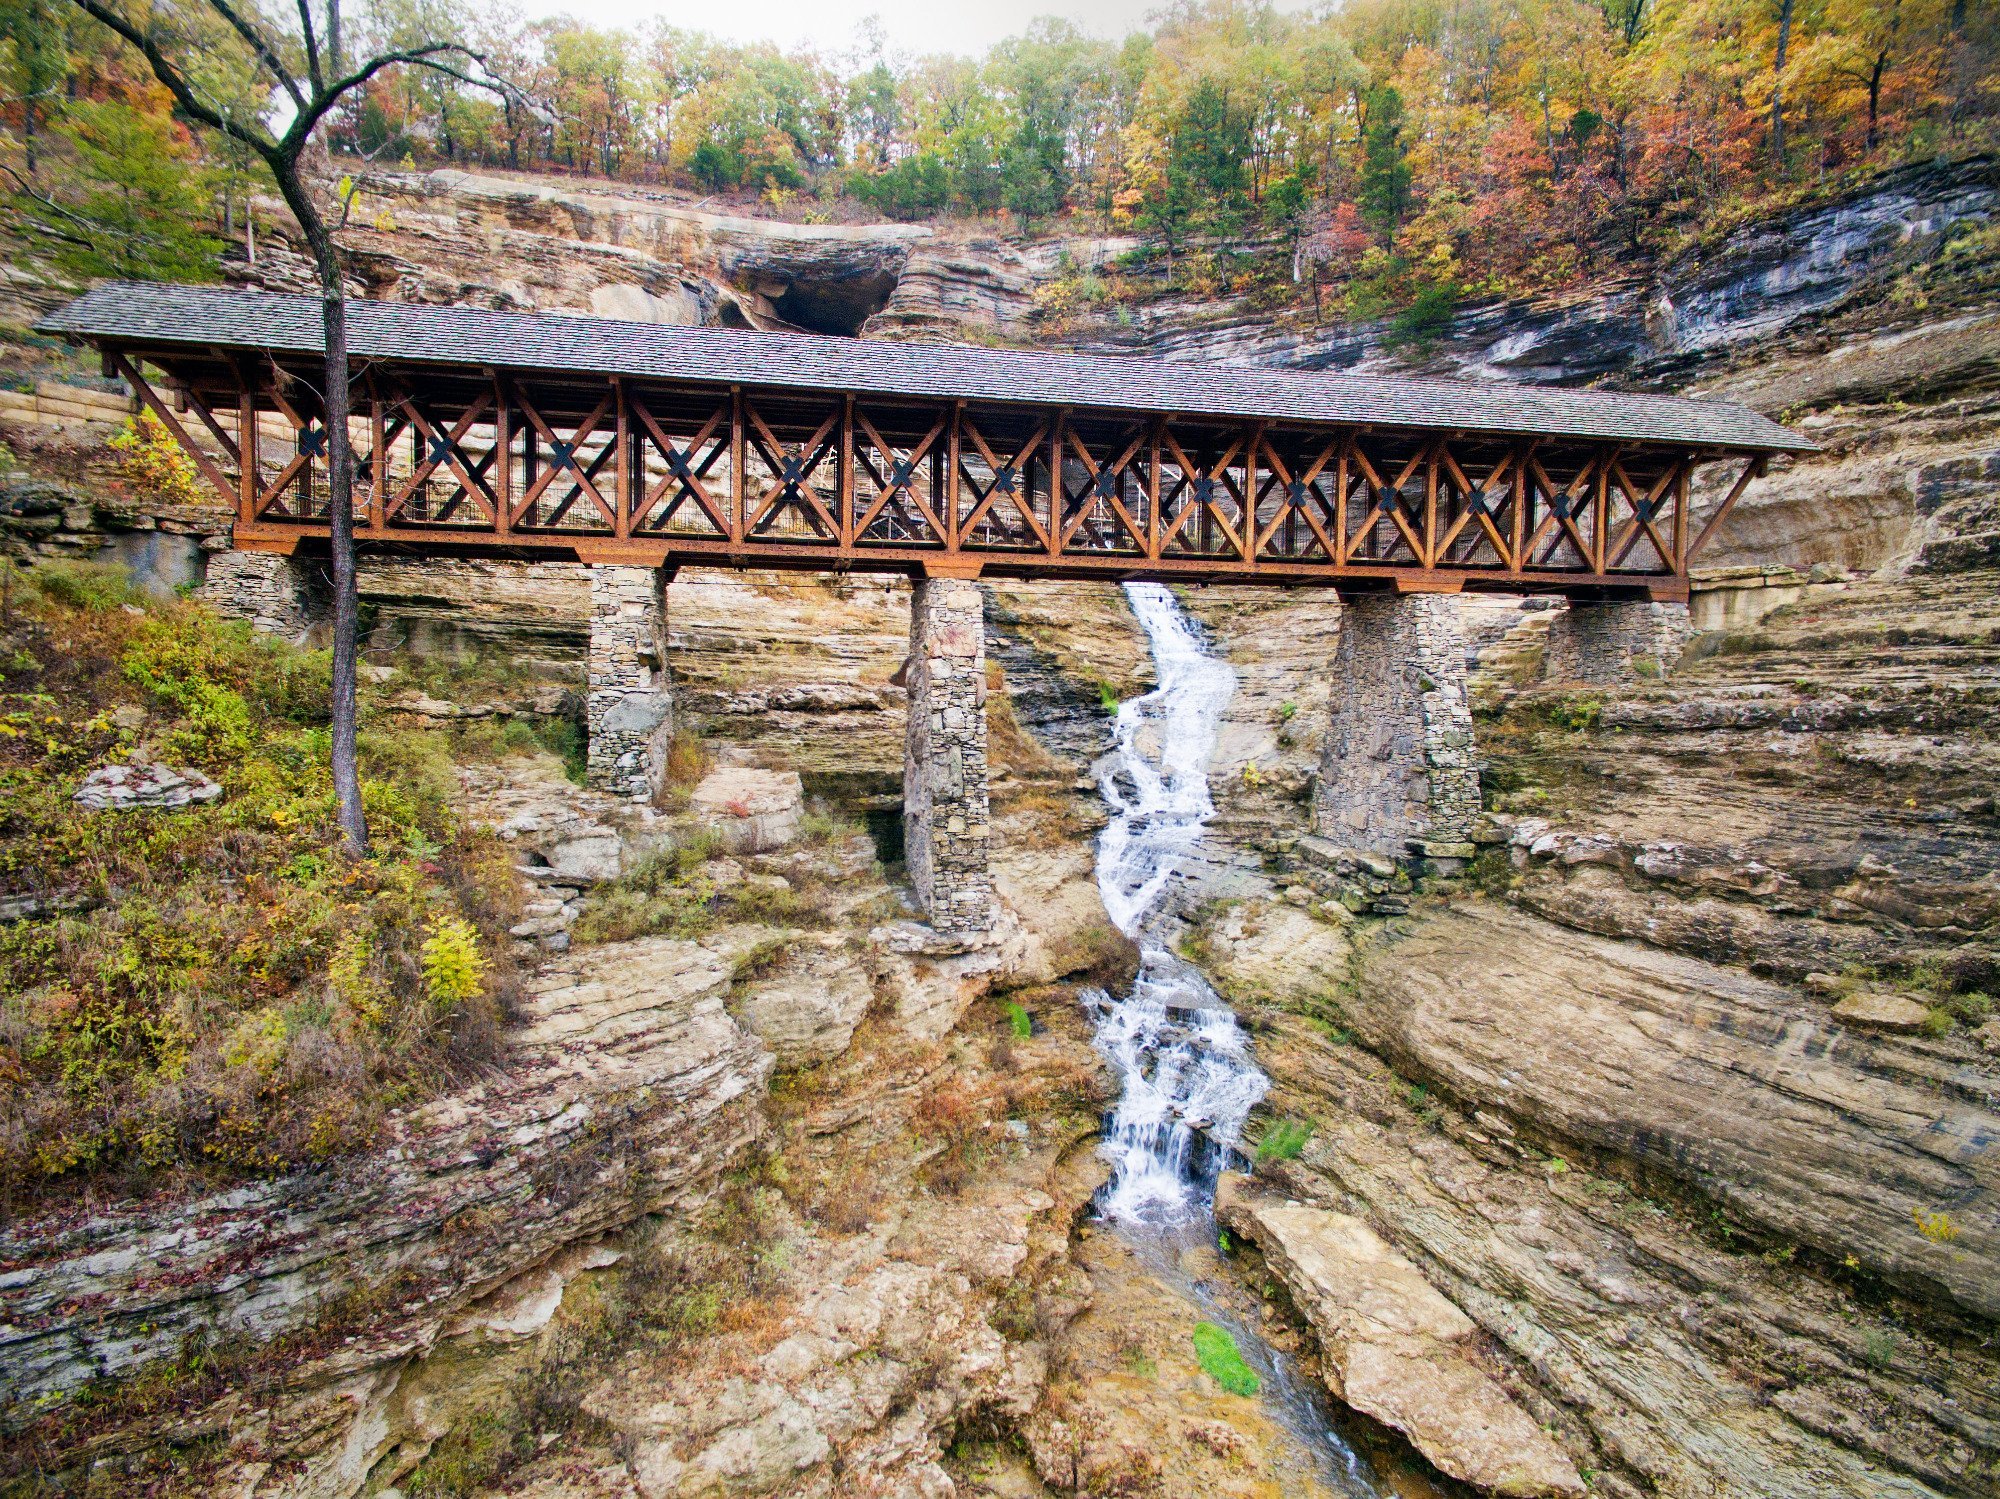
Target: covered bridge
x=639, y=449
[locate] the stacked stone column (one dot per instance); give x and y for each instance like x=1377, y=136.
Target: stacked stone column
x=1398, y=775
x=1611, y=644
x=282, y=596
x=629, y=713
x=946, y=835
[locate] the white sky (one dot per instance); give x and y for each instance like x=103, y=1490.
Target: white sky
x=911, y=26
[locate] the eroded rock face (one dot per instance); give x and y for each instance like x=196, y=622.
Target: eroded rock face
x=753, y=811
x=490, y=240
x=806, y=1009
x=1397, y=1350
x=1549, y=1104
x=625, y=1067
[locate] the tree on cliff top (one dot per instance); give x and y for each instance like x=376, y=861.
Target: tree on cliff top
x=192, y=46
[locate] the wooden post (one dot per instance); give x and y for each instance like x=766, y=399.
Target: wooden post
x=1431, y=505
x=844, y=475
x=1057, y=502
x=378, y=457
x=621, y=507
x=739, y=480
x=949, y=498
x=503, y=457
x=1601, y=508
x=1679, y=559
x=246, y=449
x=1517, y=529
x=1247, y=543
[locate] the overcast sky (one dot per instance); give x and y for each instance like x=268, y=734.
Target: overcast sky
x=912, y=26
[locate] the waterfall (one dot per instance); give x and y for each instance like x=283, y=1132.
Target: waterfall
x=1188, y=1081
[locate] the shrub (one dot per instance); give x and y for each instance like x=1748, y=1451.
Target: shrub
x=1216, y=1351
x=215, y=991
x=454, y=970
x=84, y=585
x=1019, y=1021
x=156, y=465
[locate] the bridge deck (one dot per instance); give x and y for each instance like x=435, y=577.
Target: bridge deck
x=548, y=436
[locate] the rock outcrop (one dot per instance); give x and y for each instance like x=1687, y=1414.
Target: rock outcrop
x=1395, y=1349
x=133, y=786
x=628, y=1086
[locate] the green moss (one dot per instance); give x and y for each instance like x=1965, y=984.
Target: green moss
x=1215, y=1350
x=1284, y=1141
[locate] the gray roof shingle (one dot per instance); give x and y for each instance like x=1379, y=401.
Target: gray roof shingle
x=160, y=315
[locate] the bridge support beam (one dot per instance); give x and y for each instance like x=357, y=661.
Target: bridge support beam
x=1397, y=777
x=629, y=710
x=282, y=596
x=946, y=834
x=1606, y=645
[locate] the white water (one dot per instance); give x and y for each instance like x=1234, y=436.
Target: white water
x=1188, y=1080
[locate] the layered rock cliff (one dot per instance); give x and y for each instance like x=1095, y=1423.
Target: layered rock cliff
x=1685, y=1102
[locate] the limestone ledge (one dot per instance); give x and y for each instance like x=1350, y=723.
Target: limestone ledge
x=1557, y=1070
x=1397, y=1350
x=624, y=1067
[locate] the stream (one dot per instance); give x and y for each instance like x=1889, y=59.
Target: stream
x=1188, y=1079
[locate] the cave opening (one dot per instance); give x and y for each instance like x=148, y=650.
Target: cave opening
x=836, y=300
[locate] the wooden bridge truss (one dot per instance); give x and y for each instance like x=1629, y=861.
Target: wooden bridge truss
x=642, y=472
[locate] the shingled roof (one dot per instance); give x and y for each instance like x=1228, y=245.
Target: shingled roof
x=158, y=316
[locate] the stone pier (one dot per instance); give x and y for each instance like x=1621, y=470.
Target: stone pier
x=282, y=596
x=1608, y=644
x=629, y=713
x=1397, y=778
x=945, y=829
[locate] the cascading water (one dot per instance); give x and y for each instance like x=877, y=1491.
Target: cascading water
x=1188, y=1080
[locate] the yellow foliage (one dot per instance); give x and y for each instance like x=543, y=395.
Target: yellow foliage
x=156, y=465
x=454, y=968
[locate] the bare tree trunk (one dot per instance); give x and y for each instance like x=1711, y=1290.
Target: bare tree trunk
x=1778, y=83
x=337, y=407
x=1875, y=98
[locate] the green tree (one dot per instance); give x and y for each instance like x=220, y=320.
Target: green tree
x=1204, y=185
x=1385, y=167
x=913, y=188
x=34, y=62
x=1028, y=188
x=128, y=198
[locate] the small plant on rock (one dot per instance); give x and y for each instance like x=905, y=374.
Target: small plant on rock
x=1937, y=1227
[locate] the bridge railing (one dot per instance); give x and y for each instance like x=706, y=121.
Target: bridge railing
x=801, y=479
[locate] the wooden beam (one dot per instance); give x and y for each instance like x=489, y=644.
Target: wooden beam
x=1752, y=470
x=202, y=461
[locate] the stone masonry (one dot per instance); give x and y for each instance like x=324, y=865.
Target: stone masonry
x=945, y=829
x=1398, y=777
x=1609, y=644
x=629, y=713
x=282, y=596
